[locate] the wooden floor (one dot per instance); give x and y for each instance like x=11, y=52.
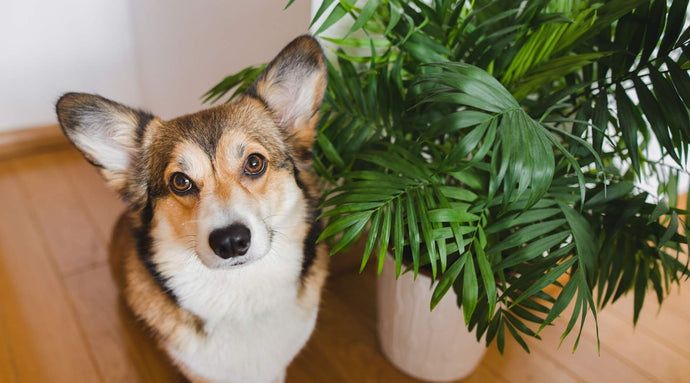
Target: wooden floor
x=61, y=319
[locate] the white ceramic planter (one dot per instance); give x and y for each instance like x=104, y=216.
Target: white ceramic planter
x=429, y=345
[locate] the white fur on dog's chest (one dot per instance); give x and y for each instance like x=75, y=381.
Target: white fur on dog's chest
x=255, y=351
x=253, y=323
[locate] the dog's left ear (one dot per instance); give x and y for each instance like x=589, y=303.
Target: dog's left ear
x=106, y=133
x=292, y=86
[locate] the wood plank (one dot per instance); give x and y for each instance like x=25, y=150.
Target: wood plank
x=358, y=292
x=28, y=141
x=71, y=235
x=41, y=331
x=586, y=363
x=516, y=366
x=123, y=350
x=678, y=302
x=658, y=322
x=7, y=371
x=619, y=338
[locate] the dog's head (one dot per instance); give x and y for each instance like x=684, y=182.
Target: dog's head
x=222, y=182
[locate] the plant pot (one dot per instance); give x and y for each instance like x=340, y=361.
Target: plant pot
x=429, y=345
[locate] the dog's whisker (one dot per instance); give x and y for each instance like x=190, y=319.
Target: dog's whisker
x=280, y=234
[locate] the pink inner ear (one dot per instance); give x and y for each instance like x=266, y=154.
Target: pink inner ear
x=112, y=146
x=292, y=96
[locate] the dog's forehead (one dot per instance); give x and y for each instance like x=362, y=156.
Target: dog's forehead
x=231, y=127
x=228, y=127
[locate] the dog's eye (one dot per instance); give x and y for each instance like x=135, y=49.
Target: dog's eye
x=180, y=183
x=255, y=164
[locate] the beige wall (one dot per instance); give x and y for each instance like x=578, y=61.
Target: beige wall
x=161, y=55
x=50, y=47
x=185, y=47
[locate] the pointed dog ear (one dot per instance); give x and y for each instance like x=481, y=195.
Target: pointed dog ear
x=107, y=134
x=292, y=86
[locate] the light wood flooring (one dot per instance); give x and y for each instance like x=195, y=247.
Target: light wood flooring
x=61, y=319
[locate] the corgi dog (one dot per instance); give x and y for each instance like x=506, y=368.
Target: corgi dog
x=217, y=249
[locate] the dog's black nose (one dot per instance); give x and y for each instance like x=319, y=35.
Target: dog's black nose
x=231, y=241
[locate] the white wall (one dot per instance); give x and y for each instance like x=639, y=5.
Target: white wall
x=50, y=47
x=160, y=55
x=185, y=47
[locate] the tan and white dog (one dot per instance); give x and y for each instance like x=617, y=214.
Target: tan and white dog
x=217, y=250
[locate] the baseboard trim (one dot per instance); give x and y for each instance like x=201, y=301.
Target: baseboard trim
x=22, y=142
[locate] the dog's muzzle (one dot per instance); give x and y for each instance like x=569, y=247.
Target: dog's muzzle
x=230, y=241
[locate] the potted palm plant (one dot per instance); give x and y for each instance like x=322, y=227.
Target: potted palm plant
x=508, y=146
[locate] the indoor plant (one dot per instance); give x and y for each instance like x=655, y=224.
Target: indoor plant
x=498, y=144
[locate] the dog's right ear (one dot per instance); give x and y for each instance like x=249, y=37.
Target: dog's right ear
x=107, y=134
x=292, y=87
